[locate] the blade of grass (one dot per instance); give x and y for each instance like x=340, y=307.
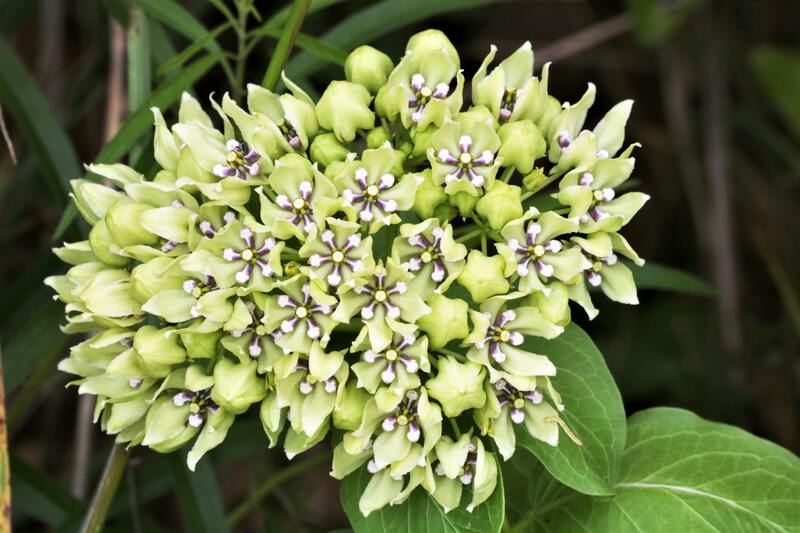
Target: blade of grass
x=176, y=17
x=38, y=496
x=285, y=43
x=106, y=489
x=262, y=491
x=306, y=42
x=279, y=19
x=38, y=122
x=139, y=79
x=660, y=277
x=187, y=53
x=375, y=21
x=138, y=123
x=199, y=497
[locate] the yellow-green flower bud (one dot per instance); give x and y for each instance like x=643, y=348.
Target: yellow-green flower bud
x=237, y=386
x=368, y=67
x=447, y=320
x=350, y=407
x=522, y=144
x=483, y=276
x=377, y=137
x=158, y=349
x=502, y=203
x=457, y=386
x=124, y=223
x=344, y=108
x=432, y=41
x=102, y=244
x=326, y=148
x=429, y=195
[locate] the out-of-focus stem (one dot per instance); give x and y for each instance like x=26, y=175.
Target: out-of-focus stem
x=106, y=489
x=285, y=43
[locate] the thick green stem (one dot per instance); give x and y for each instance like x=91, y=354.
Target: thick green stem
x=106, y=489
x=285, y=43
x=261, y=492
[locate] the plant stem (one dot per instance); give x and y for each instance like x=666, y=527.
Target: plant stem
x=106, y=488
x=285, y=43
x=241, y=51
x=507, y=173
x=471, y=235
x=261, y=492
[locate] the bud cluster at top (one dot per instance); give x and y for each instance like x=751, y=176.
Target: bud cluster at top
x=372, y=262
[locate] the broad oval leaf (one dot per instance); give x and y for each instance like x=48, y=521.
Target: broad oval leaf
x=594, y=412
x=420, y=512
x=679, y=473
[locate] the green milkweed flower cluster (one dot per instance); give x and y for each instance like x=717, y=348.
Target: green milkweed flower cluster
x=363, y=263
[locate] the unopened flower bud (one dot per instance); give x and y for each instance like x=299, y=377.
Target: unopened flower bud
x=344, y=108
x=326, y=148
x=522, y=144
x=447, y=320
x=483, y=276
x=457, y=386
x=368, y=67
x=237, y=385
x=500, y=204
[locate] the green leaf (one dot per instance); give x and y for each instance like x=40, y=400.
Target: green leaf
x=420, y=512
x=198, y=495
x=660, y=277
x=593, y=410
x=683, y=473
x=140, y=122
x=653, y=21
x=317, y=47
x=50, y=143
x=777, y=70
x=138, y=58
x=40, y=497
x=374, y=21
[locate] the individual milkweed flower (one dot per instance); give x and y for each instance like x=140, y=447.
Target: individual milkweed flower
x=375, y=188
x=211, y=218
x=238, y=256
x=457, y=386
x=302, y=313
x=605, y=270
x=386, y=303
x=254, y=340
x=286, y=122
x=304, y=198
x=533, y=251
x=388, y=488
x=507, y=406
x=309, y=386
x=107, y=298
x=419, y=91
x=562, y=134
x=483, y=276
x=338, y=254
x=463, y=463
x=499, y=333
x=429, y=250
x=344, y=108
x=510, y=91
x=389, y=373
x=463, y=156
x=350, y=406
x=183, y=407
x=158, y=350
x=399, y=437
x=592, y=198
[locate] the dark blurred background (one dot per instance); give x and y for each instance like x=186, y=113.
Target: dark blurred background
x=717, y=91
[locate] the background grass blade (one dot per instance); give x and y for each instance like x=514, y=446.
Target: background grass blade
x=198, y=495
x=660, y=277
x=375, y=21
x=38, y=122
x=5, y=472
x=139, y=71
x=187, y=53
x=140, y=122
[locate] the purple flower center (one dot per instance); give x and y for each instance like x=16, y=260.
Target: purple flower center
x=516, y=399
x=466, y=162
x=421, y=95
x=534, y=252
x=240, y=161
x=251, y=256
